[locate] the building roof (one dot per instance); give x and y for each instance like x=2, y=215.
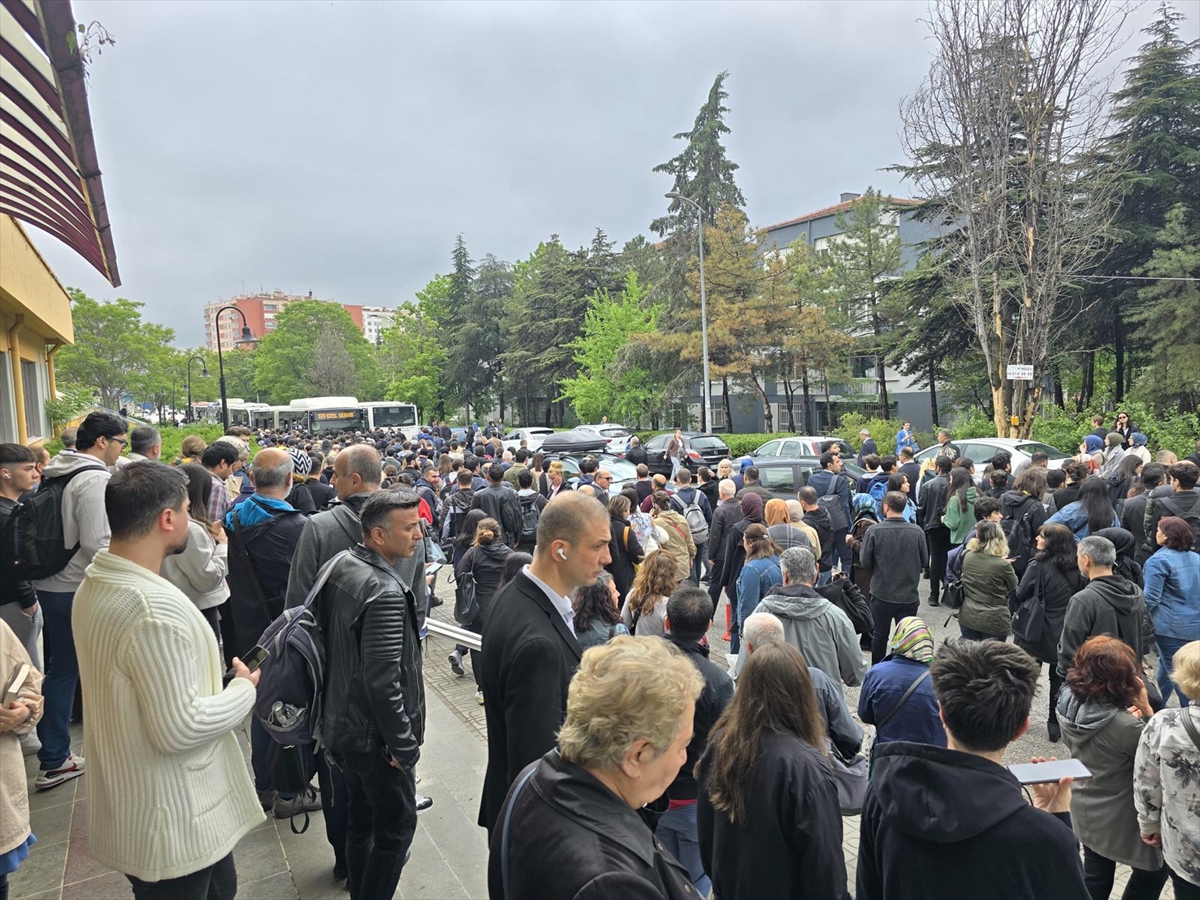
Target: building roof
x=49, y=172
x=834, y=210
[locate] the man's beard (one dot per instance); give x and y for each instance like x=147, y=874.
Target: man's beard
x=180, y=547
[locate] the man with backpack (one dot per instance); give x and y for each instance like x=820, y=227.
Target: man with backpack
x=532, y=503
x=690, y=503
x=170, y=799
x=458, y=504
x=69, y=513
x=1183, y=502
x=373, y=699
x=500, y=503
x=833, y=495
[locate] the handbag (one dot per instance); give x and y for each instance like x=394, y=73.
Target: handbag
x=850, y=777
x=895, y=709
x=1029, y=621
x=466, y=601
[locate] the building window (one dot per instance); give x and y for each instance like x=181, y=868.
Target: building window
x=33, y=405
x=718, y=418
x=862, y=367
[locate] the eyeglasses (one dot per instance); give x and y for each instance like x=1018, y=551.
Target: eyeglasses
x=116, y=440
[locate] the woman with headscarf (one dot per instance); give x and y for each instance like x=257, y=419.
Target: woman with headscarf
x=915, y=719
x=1091, y=452
x=1139, y=448
x=735, y=555
x=1113, y=453
x=865, y=516
x=780, y=528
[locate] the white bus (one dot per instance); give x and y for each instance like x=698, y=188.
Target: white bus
x=317, y=414
x=390, y=414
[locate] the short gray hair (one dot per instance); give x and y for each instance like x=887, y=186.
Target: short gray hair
x=144, y=439
x=1100, y=550
x=264, y=476
x=799, y=564
x=762, y=628
x=377, y=511
x=726, y=488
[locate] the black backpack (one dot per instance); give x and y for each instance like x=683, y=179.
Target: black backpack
x=530, y=516
x=1192, y=517
x=32, y=542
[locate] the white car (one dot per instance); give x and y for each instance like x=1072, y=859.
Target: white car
x=981, y=450
x=532, y=437
x=616, y=435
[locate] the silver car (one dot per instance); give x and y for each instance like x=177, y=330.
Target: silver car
x=981, y=450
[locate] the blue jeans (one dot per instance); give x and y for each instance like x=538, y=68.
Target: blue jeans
x=62, y=676
x=698, y=563
x=823, y=578
x=1167, y=648
x=677, y=831
x=841, y=551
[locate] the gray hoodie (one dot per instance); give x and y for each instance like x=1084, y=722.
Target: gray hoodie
x=85, y=521
x=1108, y=605
x=819, y=630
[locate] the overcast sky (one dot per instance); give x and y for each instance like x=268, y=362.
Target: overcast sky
x=340, y=146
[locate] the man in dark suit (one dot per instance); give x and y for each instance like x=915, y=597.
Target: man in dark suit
x=529, y=648
x=868, y=447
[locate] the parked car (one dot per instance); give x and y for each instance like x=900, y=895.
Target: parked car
x=616, y=435
x=802, y=445
x=783, y=475
x=981, y=450
x=574, y=441
x=623, y=471
x=702, y=450
x=532, y=437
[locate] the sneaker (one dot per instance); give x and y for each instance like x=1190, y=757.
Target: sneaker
x=71, y=768
x=933, y=601
x=423, y=802
x=307, y=802
x=1053, y=731
x=479, y=696
x=30, y=744
x=456, y=664
x=266, y=799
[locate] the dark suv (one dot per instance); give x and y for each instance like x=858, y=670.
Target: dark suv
x=701, y=450
x=783, y=476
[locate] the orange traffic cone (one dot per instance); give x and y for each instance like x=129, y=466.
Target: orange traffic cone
x=728, y=620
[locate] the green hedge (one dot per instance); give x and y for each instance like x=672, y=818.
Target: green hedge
x=172, y=439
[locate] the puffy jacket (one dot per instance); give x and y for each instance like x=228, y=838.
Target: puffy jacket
x=199, y=571
x=1109, y=605
x=676, y=539
x=986, y=581
x=373, y=694
x=819, y=630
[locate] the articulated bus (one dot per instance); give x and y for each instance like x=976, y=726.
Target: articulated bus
x=318, y=414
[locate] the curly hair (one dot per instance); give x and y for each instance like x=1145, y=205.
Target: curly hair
x=654, y=580
x=1105, y=669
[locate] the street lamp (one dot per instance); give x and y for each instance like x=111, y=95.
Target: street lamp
x=675, y=195
x=247, y=338
x=203, y=374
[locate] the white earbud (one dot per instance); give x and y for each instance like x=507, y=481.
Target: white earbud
x=562, y=554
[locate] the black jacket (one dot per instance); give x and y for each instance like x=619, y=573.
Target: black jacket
x=1109, y=605
x=374, y=699
x=819, y=519
x=526, y=664
x=1058, y=587
x=846, y=595
x=725, y=516
x=718, y=691
x=791, y=843
x=941, y=823
x=934, y=494
x=1025, y=515
x=322, y=494
x=501, y=504
x=625, y=552
x=637, y=455
x=261, y=553
x=19, y=592
x=486, y=564
x=869, y=446
x=571, y=838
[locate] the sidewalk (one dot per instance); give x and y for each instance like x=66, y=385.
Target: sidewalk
x=449, y=852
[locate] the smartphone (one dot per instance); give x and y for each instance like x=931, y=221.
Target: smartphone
x=1044, y=773
x=13, y=686
x=256, y=657
x=432, y=567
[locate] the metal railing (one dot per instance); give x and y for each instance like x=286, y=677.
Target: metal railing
x=459, y=635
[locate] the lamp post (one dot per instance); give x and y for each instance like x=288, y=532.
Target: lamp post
x=203, y=374
x=247, y=338
x=675, y=195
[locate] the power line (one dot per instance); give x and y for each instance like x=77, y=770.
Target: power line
x=1134, y=278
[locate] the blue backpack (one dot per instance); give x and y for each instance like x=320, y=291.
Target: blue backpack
x=288, y=700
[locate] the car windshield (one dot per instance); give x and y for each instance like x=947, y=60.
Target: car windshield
x=706, y=443
x=1033, y=447
x=614, y=432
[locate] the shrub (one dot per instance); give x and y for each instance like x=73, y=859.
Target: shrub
x=172, y=440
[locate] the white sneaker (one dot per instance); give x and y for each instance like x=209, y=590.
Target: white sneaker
x=479, y=696
x=72, y=767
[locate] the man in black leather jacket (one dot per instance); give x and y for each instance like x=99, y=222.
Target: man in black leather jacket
x=373, y=694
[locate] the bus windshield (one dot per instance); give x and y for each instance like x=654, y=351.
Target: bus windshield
x=335, y=420
x=398, y=416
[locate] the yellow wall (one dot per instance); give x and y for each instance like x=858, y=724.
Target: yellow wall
x=27, y=286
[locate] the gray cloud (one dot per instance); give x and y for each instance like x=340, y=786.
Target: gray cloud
x=339, y=147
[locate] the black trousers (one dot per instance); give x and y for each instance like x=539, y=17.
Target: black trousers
x=216, y=882
x=1099, y=873
x=1056, y=683
x=938, y=539
x=334, y=807
x=884, y=612
x=381, y=824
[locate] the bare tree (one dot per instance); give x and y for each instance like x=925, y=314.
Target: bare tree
x=332, y=371
x=1002, y=138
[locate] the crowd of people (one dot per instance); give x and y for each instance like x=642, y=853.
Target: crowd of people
x=621, y=758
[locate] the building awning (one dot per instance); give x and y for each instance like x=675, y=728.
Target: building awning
x=49, y=173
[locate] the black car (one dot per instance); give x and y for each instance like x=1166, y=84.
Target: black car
x=702, y=450
x=783, y=476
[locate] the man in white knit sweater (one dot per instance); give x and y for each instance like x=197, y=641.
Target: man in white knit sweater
x=170, y=796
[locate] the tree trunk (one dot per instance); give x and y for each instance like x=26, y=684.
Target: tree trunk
x=1119, y=349
x=1058, y=393
x=725, y=401
x=828, y=402
x=500, y=381
x=807, y=388
x=933, y=391
x=880, y=375
x=768, y=416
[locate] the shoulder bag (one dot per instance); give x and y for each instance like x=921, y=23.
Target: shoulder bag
x=1189, y=726
x=895, y=709
x=850, y=777
x=1029, y=621
x=466, y=603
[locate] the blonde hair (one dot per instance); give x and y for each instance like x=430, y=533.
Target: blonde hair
x=655, y=578
x=627, y=689
x=989, y=538
x=555, y=468
x=1186, y=673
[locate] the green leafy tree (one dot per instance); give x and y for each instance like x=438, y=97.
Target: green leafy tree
x=288, y=358
x=114, y=348
x=1171, y=309
x=412, y=354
